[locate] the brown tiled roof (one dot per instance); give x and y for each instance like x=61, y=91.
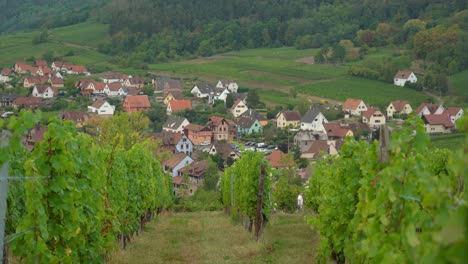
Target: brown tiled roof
x=36, y=134
x=277, y=159
x=98, y=103
x=55, y=80
x=291, y=115
x=114, y=86
x=169, y=138
x=351, y=104
x=37, y=79
x=75, y=116
x=216, y=120
x=318, y=146
x=224, y=149
x=356, y=127
x=137, y=101
x=254, y=114
x=194, y=127
x=441, y=119
x=399, y=105
x=24, y=66
x=179, y=105
x=27, y=100
x=134, y=91
x=174, y=160
x=173, y=84
x=431, y=107
x=452, y=111
x=370, y=111
x=42, y=88
x=246, y=122
x=235, y=104
x=78, y=68
x=403, y=74
x=99, y=85
x=196, y=169
x=334, y=129
x=58, y=64
x=137, y=80
x=178, y=95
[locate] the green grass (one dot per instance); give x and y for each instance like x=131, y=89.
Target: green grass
x=288, y=53
x=459, y=83
x=372, y=92
x=87, y=34
x=212, y=237
x=448, y=141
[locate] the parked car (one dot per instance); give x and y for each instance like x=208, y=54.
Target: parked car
x=271, y=146
x=261, y=145
x=206, y=143
x=7, y=114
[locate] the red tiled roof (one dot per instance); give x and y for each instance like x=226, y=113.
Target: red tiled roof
x=370, y=111
x=178, y=180
x=55, y=80
x=27, y=100
x=37, y=79
x=278, y=159
x=99, y=85
x=6, y=71
x=194, y=127
x=134, y=91
x=137, y=101
x=78, y=68
x=24, y=66
x=351, y=104
x=431, y=107
x=178, y=105
x=441, y=119
x=318, y=146
x=216, y=120
x=403, y=74
x=452, y=111
x=40, y=63
x=333, y=129
x=399, y=105
x=42, y=88
x=75, y=116
x=196, y=169
x=114, y=86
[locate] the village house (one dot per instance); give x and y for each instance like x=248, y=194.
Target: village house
x=288, y=119
x=133, y=91
x=136, y=103
x=399, y=107
x=40, y=63
x=175, y=124
x=401, y=77
x=438, y=124
x=321, y=148
x=135, y=82
x=225, y=150
x=79, y=118
x=195, y=171
x=101, y=107
x=41, y=71
x=255, y=115
x=172, y=95
x=5, y=75
x=373, y=117
x=218, y=94
x=455, y=113
x=176, y=162
x=22, y=67
x=30, y=81
x=354, y=107
x=175, y=142
x=303, y=139
x=34, y=136
x=114, y=89
x=171, y=85
x=44, y=91
x=202, y=90
x=360, y=130
x=239, y=108
x=229, y=84
x=114, y=77
x=199, y=135
x=178, y=105
x=56, y=82
x=75, y=69
x=334, y=130
x=313, y=120
x=27, y=102
x=7, y=99
x=280, y=160
x=220, y=128
x=429, y=109
x=248, y=125
x=57, y=66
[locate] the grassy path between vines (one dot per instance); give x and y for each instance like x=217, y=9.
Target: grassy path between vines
x=212, y=237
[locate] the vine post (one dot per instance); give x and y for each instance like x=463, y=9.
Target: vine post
x=258, y=213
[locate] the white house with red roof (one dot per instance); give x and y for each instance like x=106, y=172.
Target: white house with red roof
x=114, y=89
x=354, y=106
x=429, y=109
x=101, y=107
x=229, y=84
x=398, y=107
x=401, y=77
x=438, y=124
x=454, y=113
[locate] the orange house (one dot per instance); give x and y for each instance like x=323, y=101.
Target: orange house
x=136, y=103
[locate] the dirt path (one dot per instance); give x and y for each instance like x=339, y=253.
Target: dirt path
x=212, y=237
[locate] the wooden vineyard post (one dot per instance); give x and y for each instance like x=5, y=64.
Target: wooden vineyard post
x=258, y=213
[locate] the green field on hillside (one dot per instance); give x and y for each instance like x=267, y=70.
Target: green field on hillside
x=288, y=53
x=87, y=34
x=448, y=141
x=459, y=83
x=372, y=92
x=212, y=237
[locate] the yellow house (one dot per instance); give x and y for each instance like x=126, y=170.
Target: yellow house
x=285, y=119
x=173, y=95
